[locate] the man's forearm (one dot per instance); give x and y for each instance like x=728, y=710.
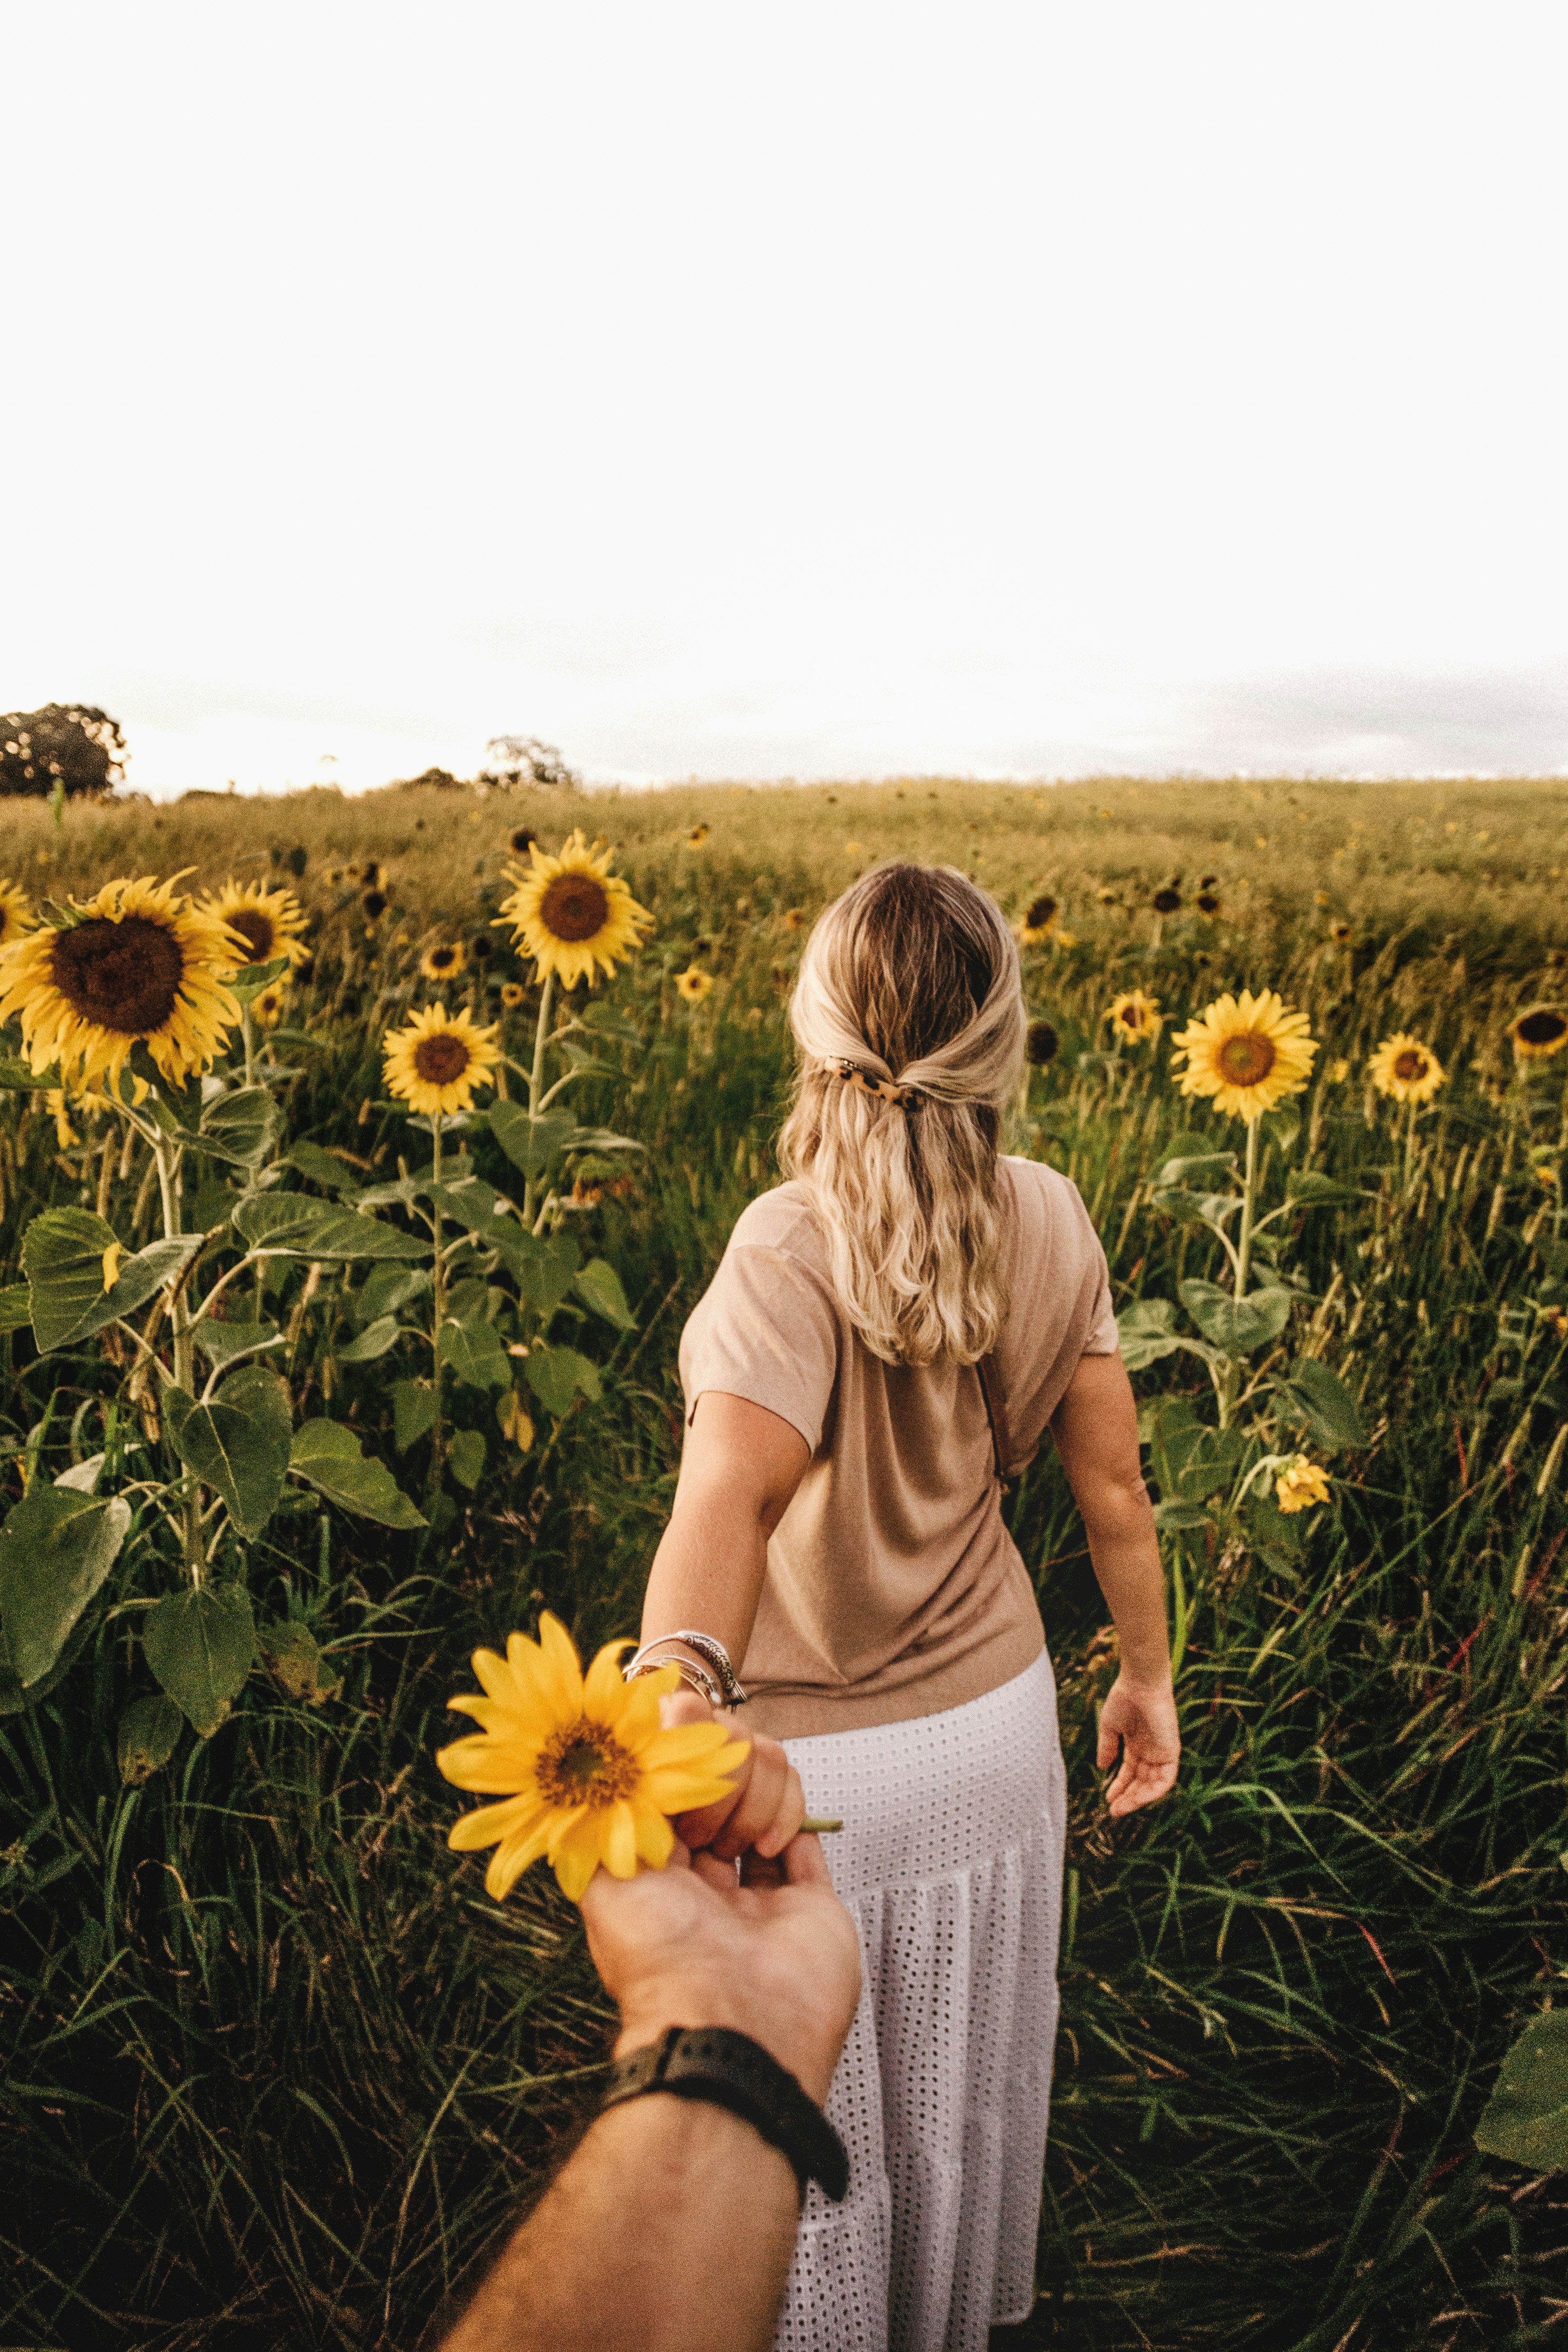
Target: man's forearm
x=670, y=2230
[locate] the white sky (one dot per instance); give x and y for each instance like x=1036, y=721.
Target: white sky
x=831, y=388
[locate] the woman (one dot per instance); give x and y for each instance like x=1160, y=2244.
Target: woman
x=907, y=1314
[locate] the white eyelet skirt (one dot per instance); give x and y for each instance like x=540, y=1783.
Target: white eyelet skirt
x=950, y=1862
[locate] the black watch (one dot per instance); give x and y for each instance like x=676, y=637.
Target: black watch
x=731, y=2070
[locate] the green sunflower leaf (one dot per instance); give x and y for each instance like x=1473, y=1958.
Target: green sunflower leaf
x=62, y=1257
x=599, y=1286
x=412, y=1412
x=239, y=1443
x=1526, y=2118
x=57, y=1545
x=372, y=1341
x=294, y=1657
x=17, y=1077
x=148, y=1733
x=475, y=1355
x=15, y=1306
x=327, y=1455
x=292, y=1224
x=201, y=1644
x=556, y=1375
x=1236, y=1326
x=250, y=982
x=466, y=1456
x=1312, y=1394
x=238, y=1128
x=1145, y=1333
x=531, y=1144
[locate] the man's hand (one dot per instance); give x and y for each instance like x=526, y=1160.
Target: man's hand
x=775, y=1956
x=1141, y=1717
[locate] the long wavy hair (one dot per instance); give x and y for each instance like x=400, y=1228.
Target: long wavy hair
x=908, y=1015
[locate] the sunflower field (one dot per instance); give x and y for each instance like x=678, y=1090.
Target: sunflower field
x=359, y=1163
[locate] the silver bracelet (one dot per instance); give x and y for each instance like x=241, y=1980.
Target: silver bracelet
x=696, y=1677
x=706, y=1646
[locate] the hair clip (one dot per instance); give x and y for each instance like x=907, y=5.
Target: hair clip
x=885, y=1089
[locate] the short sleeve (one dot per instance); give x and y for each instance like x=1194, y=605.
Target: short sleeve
x=1104, y=1338
x=1094, y=1306
x=764, y=1329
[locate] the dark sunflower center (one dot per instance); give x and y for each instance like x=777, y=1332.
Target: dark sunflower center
x=1040, y=1043
x=586, y=1765
x=1247, y=1059
x=440, y=1059
x=1167, y=902
x=124, y=976
x=259, y=931
x=440, y=958
x=575, y=906
x=1132, y=1016
x=1040, y=913
x=1410, y=1067
x=1541, y=1028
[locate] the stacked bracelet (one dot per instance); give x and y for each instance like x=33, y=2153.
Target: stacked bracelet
x=696, y=1677
x=730, y=1694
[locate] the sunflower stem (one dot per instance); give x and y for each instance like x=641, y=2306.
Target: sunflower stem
x=1231, y=1382
x=192, y=1541
x=536, y=1080
x=438, y=1313
x=247, y=1031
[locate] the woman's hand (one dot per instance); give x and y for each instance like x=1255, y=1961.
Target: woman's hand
x=1142, y=1716
x=767, y=1807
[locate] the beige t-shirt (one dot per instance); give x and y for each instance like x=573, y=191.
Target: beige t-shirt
x=893, y=1590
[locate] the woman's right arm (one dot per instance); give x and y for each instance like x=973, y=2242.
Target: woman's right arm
x=740, y=1466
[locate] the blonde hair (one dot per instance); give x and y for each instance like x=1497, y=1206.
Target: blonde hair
x=909, y=1014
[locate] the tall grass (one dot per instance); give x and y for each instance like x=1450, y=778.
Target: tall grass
x=276, y=2070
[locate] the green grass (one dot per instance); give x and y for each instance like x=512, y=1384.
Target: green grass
x=275, y=2070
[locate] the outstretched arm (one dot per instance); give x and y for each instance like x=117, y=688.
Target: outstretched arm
x=1096, y=1432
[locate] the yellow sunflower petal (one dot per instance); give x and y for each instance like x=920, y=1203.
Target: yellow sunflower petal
x=495, y=1675
x=656, y=1838
x=576, y=1853
x=604, y=1691
x=562, y=1677
x=509, y=1861
x=486, y=1823
x=619, y=1853
x=487, y=1765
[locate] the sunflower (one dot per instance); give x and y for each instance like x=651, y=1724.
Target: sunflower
x=267, y=1006
x=1339, y=1071
x=1542, y=1030
x=512, y=993
x=444, y=961
x=17, y=916
x=374, y=905
x=522, y=840
x=1300, y=1484
x=1038, y=915
x=1167, y=902
x=696, y=836
x=435, y=1064
x=134, y=963
x=1133, y=1014
x=1207, y=902
x=269, y=921
x=693, y=983
x=1248, y=1056
x=586, y=1773
x=570, y=912
x=795, y=918
x=1406, y=1069
x=1040, y=1044
x=1107, y=895
x=1342, y=935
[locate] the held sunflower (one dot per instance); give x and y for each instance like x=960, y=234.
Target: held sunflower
x=134, y=964
x=444, y=961
x=434, y=1064
x=571, y=913
x=693, y=983
x=17, y=916
x=1542, y=1031
x=588, y=1774
x=1406, y=1069
x=1248, y=1054
x=1133, y=1014
x=271, y=922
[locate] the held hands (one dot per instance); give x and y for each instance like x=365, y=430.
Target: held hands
x=1141, y=1718
x=767, y=1807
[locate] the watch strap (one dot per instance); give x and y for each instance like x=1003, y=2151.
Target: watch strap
x=730, y=2070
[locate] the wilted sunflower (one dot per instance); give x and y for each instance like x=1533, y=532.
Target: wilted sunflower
x=696, y=836
x=512, y=993
x=1038, y=915
x=1040, y=1044
x=269, y=921
x=1542, y=1030
x=570, y=912
x=435, y=1064
x=374, y=905
x=17, y=916
x=1406, y=1069
x=267, y=1005
x=134, y=963
x=1167, y=902
x=693, y=983
x=1301, y=1486
x=444, y=961
x=1247, y=1055
x=1133, y=1014
x=587, y=1775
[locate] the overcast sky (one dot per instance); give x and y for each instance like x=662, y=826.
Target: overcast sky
x=839, y=389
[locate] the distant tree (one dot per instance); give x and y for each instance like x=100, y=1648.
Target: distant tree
x=66, y=743
x=513, y=760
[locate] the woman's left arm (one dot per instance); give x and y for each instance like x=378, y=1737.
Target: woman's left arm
x=1096, y=1432
x=740, y=1466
